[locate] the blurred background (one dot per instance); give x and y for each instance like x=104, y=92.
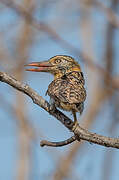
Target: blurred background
x=35, y=30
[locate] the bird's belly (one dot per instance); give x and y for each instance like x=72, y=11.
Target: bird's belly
x=70, y=107
x=66, y=106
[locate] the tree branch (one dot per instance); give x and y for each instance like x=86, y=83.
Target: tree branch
x=57, y=144
x=79, y=132
x=41, y=26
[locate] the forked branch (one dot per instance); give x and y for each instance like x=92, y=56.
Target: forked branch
x=79, y=132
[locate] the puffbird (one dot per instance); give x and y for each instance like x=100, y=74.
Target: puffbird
x=67, y=90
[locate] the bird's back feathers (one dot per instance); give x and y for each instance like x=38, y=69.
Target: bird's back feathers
x=68, y=91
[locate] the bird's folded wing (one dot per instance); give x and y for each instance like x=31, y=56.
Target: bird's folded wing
x=67, y=92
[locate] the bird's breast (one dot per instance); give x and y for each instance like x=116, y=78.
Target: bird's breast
x=68, y=92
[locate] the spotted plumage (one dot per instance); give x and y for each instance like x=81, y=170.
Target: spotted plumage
x=67, y=89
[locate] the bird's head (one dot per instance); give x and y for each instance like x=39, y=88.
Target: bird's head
x=58, y=66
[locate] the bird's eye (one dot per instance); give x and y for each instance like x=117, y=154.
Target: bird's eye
x=57, y=61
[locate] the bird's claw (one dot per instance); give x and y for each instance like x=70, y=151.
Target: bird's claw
x=52, y=107
x=75, y=124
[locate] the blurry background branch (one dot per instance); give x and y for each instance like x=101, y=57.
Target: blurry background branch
x=54, y=35
x=32, y=30
x=80, y=133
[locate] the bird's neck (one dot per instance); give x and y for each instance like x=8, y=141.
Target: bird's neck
x=62, y=73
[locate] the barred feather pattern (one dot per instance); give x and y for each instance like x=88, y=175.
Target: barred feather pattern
x=68, y=92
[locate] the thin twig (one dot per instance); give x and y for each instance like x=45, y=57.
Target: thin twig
x=78, y=131
x=58, y=144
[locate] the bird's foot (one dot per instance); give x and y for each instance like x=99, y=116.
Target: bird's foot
x=52, y=107
x=75, y=124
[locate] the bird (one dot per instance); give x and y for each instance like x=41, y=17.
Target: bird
x=67, y=90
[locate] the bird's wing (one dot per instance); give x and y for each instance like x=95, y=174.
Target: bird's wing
x=67, y=91
x=72, y=94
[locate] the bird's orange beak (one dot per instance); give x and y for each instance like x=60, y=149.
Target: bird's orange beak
x=43, y=66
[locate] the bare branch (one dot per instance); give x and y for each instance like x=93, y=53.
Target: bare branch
x=41, y=26
x=113, y=18
x=57, y=144
x=80, y=133
x=4, y=77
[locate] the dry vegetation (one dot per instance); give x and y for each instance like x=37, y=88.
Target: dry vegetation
x=17, y=39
